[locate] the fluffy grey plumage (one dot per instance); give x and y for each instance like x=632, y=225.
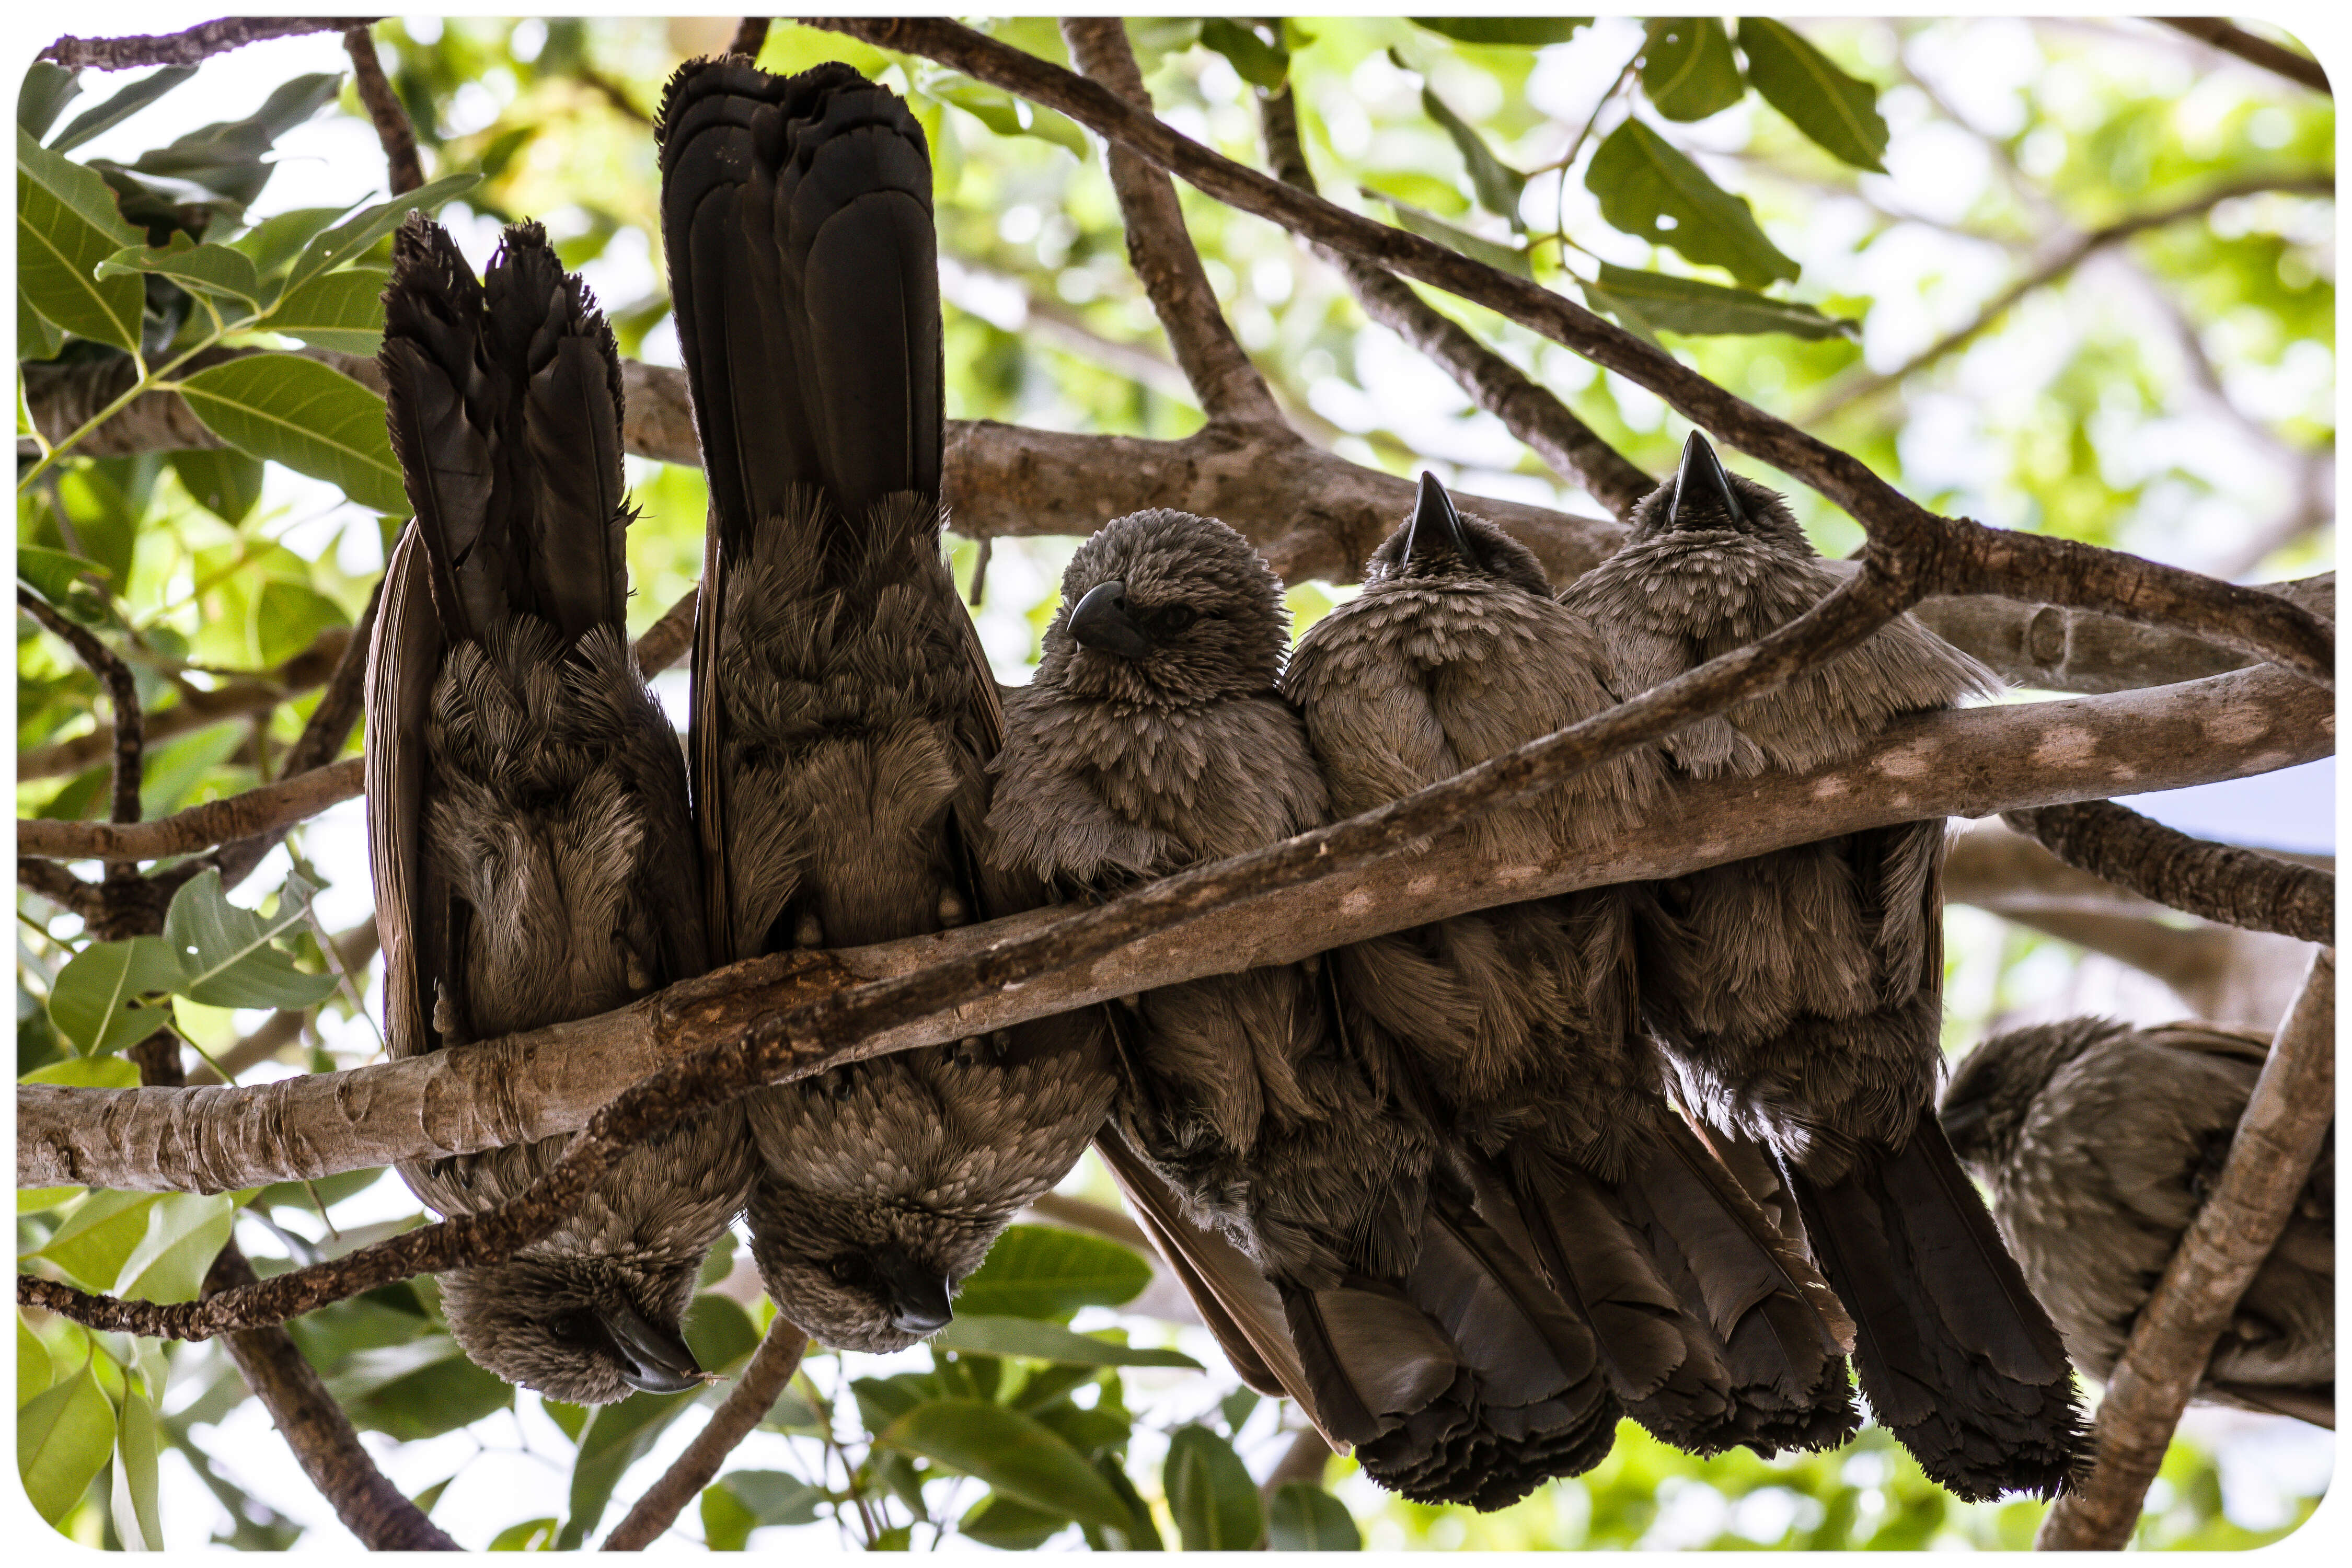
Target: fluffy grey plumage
x=2099, y=1143
x=1152, y=740
x=1800, y=992
x=1522, y=1021
x=844, y=712
x=528, y=831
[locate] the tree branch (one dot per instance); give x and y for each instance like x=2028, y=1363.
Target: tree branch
x=122, y=692
x=1160, y=250
x=1950, y=555
x=1309, y=1455
x=754, y=1395
x=2240, y=888
x=272, y=808
x=188, y=48
x=356, y=948
x=2286, y=1121
x=750, y=38
x=2231, y=39
x=393, y=131
x=554, y=1080
x=1542, y=422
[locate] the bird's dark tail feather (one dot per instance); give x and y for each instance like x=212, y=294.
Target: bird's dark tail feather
x=1957, y=1359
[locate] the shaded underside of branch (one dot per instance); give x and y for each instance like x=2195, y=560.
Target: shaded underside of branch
x=190, y=47
x=2231, y=886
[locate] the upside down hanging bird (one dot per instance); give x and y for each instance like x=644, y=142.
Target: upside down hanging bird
x=528, y=826
x=844, y=713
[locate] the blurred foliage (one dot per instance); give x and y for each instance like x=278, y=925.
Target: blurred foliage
x=1712, y=185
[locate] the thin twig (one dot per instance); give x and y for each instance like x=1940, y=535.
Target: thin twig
x=2286, y=1120
x=2233, y=39
x=1309, y=1455
x=122, y=690
x=764, y=1377
x=189, y=48
x=397, y=136
x=2229, y=887
x=666, y=641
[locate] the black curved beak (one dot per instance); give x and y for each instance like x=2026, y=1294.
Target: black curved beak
x=918, y=1297
x=1435, y=528
x=653, y=1360
x=1101, y=622
x=1703, y=494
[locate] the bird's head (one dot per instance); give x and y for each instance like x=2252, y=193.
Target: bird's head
x=1703, y=497
x=1986, y=1104
x=1167, y=609
x=587, y=1331
x=866, y=1276
x=1438, y=547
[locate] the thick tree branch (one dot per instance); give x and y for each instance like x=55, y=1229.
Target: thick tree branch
x=393, y=131
x=1542, y=422
x=2278, y=1137
x=666, y=640
x=190, y=47
x=272, y=808
x=2229, y=887
x=750, y=38
x=1939, y=554
x=1160, y=250
x=122, y=692
x=754, y=1395
x=551, y=1081
x=2233, y=39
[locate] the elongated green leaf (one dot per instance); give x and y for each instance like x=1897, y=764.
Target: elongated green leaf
x=1036, y=1341
x=185, y=1231
x=1649, y=189
x=775, y=1497
x=92, y=1001
x=38, y=338
x=997, y=1521
x=1687, y=305
x=1011, y=1453
x=1429, y=225
x=84, y=1072
x=34, y=1373
x=228, y=158
x=727, y=1524
x=1001, y=112
x=275, y=241
x=105, y=117
x=60, y=578
x=224, y=953
x=1209, y=1492
x=315, y=420
x=45, y=92
x=1839, y=112
x=1304, y=1518
x=1141, y=1535
x=66, y=225
x=63, y=1436
x=1497, y=182
x=352, y=238
x=226, y=274
x=1527, y=30
x=138, y=1517
x=226, y=484
x=1040, y=1271
x=531, y=1535
x=1257, y=62
x=98, y=1238
x=417, y=1390
x=616, y=1437
x=336, y=310
x=1688, y=70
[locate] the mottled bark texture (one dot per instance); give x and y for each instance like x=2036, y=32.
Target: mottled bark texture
x=2233, y=887
x=191, y=46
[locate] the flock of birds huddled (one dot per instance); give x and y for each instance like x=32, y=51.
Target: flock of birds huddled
x=1469, y=1193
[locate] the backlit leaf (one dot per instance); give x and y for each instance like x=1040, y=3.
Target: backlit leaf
x=138, y=1436
x=185, y=1231
x=1688, y=305
x=1036, y=1341
x=1688, y=70
x=1043, y=1271
x=226, y=954
x=1648, y=188
x=341, y=310
x=1011, y=1453
x=1304, y=1518
x=1210, y=1491
x=1838, y=112
x=63, y=1435
x=106, y=116
x=1526, y=30
x=310, y=416
x=1503, y=258
x=92, y=1001
x=66, y=225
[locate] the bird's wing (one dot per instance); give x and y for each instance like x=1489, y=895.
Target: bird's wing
x=403, y=660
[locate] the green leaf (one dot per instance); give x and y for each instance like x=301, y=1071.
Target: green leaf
x=1037, y=1341
x=226, y=484
x=38, y=337
x=185, y=1231
x=1837, y=112
x=177, y=767
x=336, y=310
x=1650, y=189
x=1008, y=1526
x=136, y=1516
x=616, y=1437
x=66, y=225
x=1689, y=69
x=58, y=577
x=417, y=1390
x=531, y=1535
x=314, y=419
x=226, y=956
x=1502, y=258
x=352, y=238
x=227, y=157
x=1209, y=1493
x=727, y=1524
x=1530, y=31
x=1304, y=1518
x=1001, y=112
x=277, y=240
x=1687, y=305
x=1140, y=1534
x=1257, y=62
x=1497, y=184
x=63, y=1436
x=45, y=92
x=431, y=1495
x=85, y=1072
x=91, y=1002
x=1011, y=1453
x=1040, y=1271
x=775, y=1497
x=34, y=1373
x=98, y=1236
x=882, y=1400
x=225, y=273
x=105, y=117
x=1235, y=1408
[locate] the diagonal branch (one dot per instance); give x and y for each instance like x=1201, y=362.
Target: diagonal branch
x=1954, y=555
x=1160, y=250
x=122, y=691
x=188, y=48
x=2279, y=1136
x=1527, y=409
x=397, y=136
x=751, y=37
x=2233, y=39
x=2232, y=887
x=746, y=1404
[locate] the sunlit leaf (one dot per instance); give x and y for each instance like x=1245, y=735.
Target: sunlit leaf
x=1502, y=258
x=226, y=274
x=1497, y=184
x=276, y=240
x=1001, y=112
x=1527, y=30
x=66, y=225
x=104, y=117
x=34, y=1373
x=616, y=1437
x=1257, y=62
x=185, y=1231
x=1011, y=1453
x=1043, y=1271
x=1037, y=1341
x=135, y=1503
x=1838, y=112
x=85, y=1072
x=93, y=1001
x=310, y=416
x=226, y=955
x=1648, y=188
x=1673, y=304
x=727, y=1524
x=1688, y=70
x=1210, y=1491
x=531, y=1535
x=352, y=238
x=1304, y=1518
x=341, y=310
x=63, y=1435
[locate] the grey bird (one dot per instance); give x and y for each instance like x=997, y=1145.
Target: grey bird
x=844, y=712
x=528, y=825
x=1800, y=992
x=2099, y=1143
x=1521, y=1021
x=1335, y=1254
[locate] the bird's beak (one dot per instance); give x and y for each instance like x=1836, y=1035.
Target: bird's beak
x=918, y=1297
x=1101, y=622
x=653, y=1360
x=1703, y=495
x=1436, y=527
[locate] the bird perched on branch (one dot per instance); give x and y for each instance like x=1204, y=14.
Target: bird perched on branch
x=1521, y=1021
x=1152, y=740
x=1800, y=992
x=2100, y=1142
x=528, y=825
x=844, y=712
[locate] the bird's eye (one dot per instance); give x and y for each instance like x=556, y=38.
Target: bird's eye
x=1170, y=620
x=852, y=1270
x=574, y=1328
